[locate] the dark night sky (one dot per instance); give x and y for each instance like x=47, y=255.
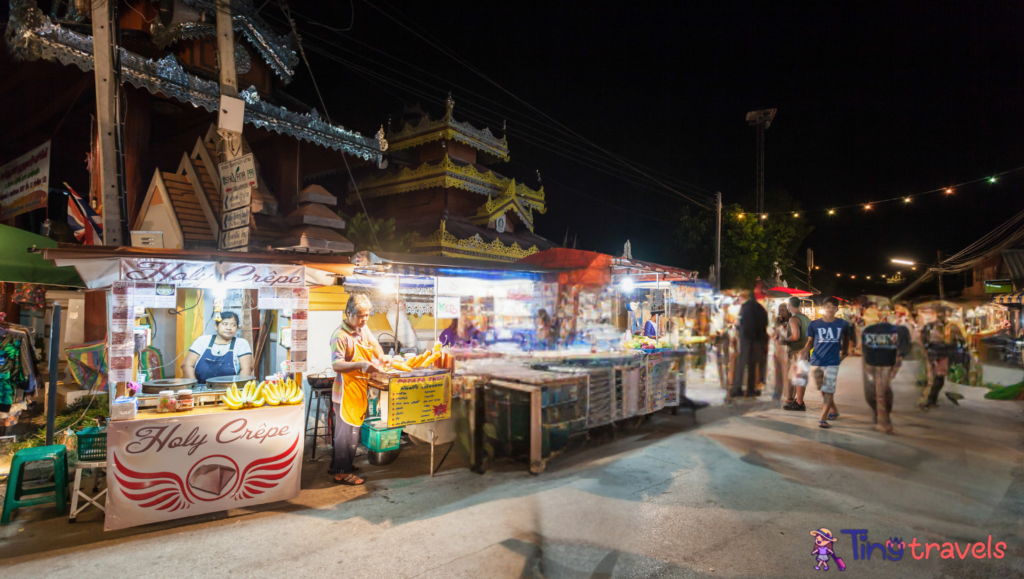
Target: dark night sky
x=874, y=101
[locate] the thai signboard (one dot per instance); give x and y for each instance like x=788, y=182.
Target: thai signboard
x=24, y=182
x=237, y=218
x=181, y=465
x=237, y=178
x=234, y=238
x=178, y=272
x=419, y=399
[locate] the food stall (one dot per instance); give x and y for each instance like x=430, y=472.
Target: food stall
x=187, y=448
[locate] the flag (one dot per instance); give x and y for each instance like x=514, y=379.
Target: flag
x=87, y=225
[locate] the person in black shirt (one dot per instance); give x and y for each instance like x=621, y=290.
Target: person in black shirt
x=883, y=346
x=753, y=334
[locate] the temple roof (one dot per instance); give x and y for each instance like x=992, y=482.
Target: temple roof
x=427, y=130
x=446, y=172
x=31, y=35
x=448, y=233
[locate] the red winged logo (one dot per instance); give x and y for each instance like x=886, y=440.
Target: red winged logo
x=265, y=473
x=166, y=491
x=160, y=490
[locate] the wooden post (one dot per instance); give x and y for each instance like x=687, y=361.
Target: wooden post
x=51, y=385
x=536, y=433
x=102, y=41
x=226, y=50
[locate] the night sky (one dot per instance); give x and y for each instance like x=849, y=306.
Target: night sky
x=874, y=100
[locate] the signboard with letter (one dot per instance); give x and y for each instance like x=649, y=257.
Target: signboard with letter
x=657, y=301
x=419, y=399
x=182, y=465
x=998, y=286
x=237, y=178
x=253, y=276
x=237, y=218
x=24, y=182
x=178, y=272
x=234, y=238
x=448, y=307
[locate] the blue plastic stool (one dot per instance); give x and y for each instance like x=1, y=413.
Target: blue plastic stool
x=15, y=491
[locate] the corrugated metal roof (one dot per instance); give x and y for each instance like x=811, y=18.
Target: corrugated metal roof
x=1014, y=260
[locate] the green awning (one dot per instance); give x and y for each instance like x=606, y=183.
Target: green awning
x=18, y=265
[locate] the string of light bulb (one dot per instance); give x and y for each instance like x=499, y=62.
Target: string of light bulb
x=905, y=199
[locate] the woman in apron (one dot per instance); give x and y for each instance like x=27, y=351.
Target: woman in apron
x=220, y=354
x=354, y=351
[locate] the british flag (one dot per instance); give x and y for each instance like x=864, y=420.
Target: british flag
x=86, y=223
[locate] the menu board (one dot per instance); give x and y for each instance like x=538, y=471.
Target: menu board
x=283, y=298
x=154, y=295
x=121, y=337
x=419, y=399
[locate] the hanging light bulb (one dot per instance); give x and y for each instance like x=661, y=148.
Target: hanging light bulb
x=816, y=267
x=906, y=199
x=949, y=191
x=868, y=207
x=831, y=211
x=765, y=216
x=796, y=215
x=869, y=277
x=839, y=275
x=853, y=277
x=991, y=179
x=741, y=216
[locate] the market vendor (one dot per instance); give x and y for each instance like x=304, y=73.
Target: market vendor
x=355, y=353
x=220, y=354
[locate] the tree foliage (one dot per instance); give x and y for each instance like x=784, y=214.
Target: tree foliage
x=360, y=231
x=751, y=246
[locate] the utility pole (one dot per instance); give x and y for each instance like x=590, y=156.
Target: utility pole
x=718, y=242
x=226, y=50
x=106, y=117
x=810, y=267
x=938, y=263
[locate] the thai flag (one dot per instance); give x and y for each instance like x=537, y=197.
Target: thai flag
x=86, y=223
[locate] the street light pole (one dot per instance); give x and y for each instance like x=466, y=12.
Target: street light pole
x=718, y=242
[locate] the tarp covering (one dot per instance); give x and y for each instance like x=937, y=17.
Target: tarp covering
x=18, y=265
x=586, y=267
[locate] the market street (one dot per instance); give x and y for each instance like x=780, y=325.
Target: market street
x=734, y=498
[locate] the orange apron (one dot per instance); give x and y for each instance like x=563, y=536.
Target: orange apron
x=353, y=397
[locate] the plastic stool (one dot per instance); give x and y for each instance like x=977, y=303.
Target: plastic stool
x=327, y=431
x=56, y=453
x=76, y=490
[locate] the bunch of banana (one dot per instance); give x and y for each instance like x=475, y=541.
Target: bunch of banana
x=250, y=396
x=282, y=392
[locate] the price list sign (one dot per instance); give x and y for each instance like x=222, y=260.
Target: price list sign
x=419, y=399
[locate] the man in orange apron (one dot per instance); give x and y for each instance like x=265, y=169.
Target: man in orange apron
x=354, y=353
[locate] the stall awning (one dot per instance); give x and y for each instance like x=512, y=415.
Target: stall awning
x=433, y=265
x=18, y=265
x=1014, y=299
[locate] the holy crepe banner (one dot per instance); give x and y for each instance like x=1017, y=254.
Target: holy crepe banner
x=185, y=465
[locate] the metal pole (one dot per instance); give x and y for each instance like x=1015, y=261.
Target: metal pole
x=51, y=389
x=718, y=244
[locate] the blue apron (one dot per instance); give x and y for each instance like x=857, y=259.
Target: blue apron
x=210, y=366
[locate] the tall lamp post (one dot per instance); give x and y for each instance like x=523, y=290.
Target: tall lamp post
x=761, y=120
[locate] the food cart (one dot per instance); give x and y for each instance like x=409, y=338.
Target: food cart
x=195, y=448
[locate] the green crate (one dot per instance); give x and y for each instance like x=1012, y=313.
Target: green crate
x=92, y=444
x=378, y=437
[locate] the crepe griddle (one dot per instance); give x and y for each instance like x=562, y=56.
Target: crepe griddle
x=174, y=384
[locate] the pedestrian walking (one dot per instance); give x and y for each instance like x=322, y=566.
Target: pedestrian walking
x=778, y=353
x=883, y=346
x=753, y=334
x=941, y=340
x=796, y=340
x=828, y=342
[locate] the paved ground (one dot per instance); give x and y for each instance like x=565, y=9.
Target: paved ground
x=734, y=496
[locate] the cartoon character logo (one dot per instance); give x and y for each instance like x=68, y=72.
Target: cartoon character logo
x=823, y=541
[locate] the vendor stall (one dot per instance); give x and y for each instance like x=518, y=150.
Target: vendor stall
x=209, y=439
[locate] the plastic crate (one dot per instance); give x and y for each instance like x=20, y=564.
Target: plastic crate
x=378, y=437
x=92, y=444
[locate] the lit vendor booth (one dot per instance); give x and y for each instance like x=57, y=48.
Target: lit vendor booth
x=178, y=446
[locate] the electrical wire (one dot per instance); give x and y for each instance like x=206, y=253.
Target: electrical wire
x=615, y=158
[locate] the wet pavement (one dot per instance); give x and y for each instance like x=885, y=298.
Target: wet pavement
x=735, y=494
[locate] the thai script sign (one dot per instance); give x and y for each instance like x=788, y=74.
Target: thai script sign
x=237, y=178
x=237, y=218
x=234, y=238
x=24, y=182
x=185, y=465
x=419, y=399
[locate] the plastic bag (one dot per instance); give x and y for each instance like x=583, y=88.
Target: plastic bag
x=798, y=373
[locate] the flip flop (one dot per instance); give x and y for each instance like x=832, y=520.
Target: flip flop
x=350, y=480
x=823, y=424
x=833, y=416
